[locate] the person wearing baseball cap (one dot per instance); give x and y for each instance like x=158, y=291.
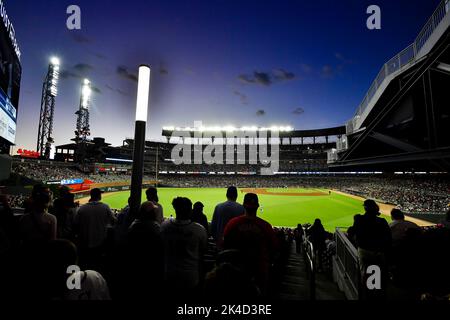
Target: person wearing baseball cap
x=255, y=238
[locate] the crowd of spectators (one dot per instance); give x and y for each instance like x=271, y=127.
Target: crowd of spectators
x=138, y=255
x=412, y=194
x=411, y=258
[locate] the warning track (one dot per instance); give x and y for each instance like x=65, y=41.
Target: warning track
x=289, y=194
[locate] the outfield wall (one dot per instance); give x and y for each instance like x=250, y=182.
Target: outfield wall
x=111, y=187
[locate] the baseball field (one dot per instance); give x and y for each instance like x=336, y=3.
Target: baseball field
x=281, y=207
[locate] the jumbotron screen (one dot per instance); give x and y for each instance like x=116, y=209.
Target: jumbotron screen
x=10, y=76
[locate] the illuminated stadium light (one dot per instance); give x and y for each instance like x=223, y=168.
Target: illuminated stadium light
x=55, y=61
x=54, y=76
x=143, y=93
x=229, y=128
x=86, y=92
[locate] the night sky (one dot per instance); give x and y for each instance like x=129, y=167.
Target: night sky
x=306, y=64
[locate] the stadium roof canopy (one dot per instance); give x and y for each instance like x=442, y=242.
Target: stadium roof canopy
x=283, y=132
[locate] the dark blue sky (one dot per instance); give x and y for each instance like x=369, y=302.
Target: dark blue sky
x=223, y=62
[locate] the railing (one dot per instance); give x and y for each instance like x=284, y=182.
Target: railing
x=404, y=58
x=347, y=257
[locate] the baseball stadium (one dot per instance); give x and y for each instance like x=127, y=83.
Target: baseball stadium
x=289, y=213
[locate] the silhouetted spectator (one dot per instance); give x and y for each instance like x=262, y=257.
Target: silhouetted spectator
x=351, y=231
x=255, y=238
x=399, y=226
x=65, y=209
x=152, y=195
x=223, y=213
x=229, y=281
x=92, y=222
x=8, y=226
x=57, y=257
x=124, y=221
x=38, y=225
x=298, y=236
x=199, y=217
x=446, y=222
x=373, y=239
x=185, y=243
x=145, y=255
x=317, y=235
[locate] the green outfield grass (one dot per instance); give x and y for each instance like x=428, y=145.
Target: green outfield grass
x=334, y=210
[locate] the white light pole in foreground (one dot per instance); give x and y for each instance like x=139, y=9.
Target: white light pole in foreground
x=139, y=138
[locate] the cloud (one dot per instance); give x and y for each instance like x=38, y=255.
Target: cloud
x=124, y=73
x=96, y=89
x=330, y=71
x=306, y=68
x=66, y=74
x=98, y=55
x=298, y=111
x=263, y=78
x=83, y=68
x=78, y=71
x=123, y=93
x=327, y=72
x=163, y=71
x=283, y=75
x=343, y=59
x=79, y=38
x=260, y=113
x=243, y=97
x=267, y=78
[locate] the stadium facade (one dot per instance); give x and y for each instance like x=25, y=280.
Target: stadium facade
x=10, y=76
x=403, y=121
x=299, y=151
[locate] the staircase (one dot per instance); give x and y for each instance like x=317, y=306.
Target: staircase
x=295, y=284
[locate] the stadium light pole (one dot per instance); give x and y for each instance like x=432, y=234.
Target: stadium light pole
x=139, y=138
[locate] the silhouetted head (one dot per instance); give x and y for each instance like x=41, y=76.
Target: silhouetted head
x=57, y=257
x=96, y=194
x=198, y=207
x=42, y=197
x=232, y=193
x=147, y=211
x=64, y=191
x=183, y=208
x=152, y=194
x=397, y=214
x=317, y=222
x=371, y=207
x=251, y=204
x=61, y=253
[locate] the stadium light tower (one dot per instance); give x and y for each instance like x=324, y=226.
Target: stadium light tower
x=83, y=128
x=139, y=137
x=49, y=93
